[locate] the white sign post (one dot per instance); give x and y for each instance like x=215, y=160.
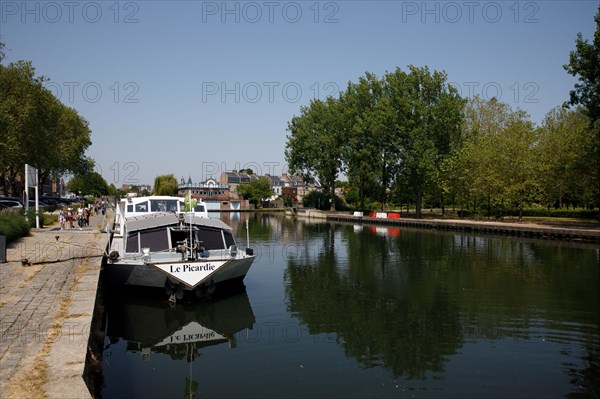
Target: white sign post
x=31, y=180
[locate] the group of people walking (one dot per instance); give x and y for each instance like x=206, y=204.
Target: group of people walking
x=69, y=216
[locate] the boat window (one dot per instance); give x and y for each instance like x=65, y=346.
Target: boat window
x=132, y=243
x=181, y=206
x=156, y=240
x=129, y=208
x=141, y=207
x=163, y=205
x=178, y=236
x=229, y=241
x=211, y=238
x=158, y=205
x=199, y=208
x=172, y=205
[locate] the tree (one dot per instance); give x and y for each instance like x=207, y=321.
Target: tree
x=428, y=113
x=30, y=118
x=500, y=154
x=564, y=158
x=256, y=191
x=89, y=184
x=584, y=63
x=165, y=185
x=372, y=148
x=360, y=149
x=516, y=162
x=315, y=142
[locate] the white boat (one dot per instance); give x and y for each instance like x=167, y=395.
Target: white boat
x=157, y=242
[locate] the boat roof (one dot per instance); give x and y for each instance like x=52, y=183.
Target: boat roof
x=158, y=219
x=154, y=197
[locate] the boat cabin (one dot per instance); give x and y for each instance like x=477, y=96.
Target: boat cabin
x=140, y=206
x=164, y=232
x=137, y=206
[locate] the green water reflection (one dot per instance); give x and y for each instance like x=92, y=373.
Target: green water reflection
x=338, y=311
x=409, y=300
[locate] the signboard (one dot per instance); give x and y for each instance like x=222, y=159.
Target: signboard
x=190, y=273
x=190, y=333
x=31, y=175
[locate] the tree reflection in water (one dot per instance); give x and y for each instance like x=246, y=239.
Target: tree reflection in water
x=408, y=302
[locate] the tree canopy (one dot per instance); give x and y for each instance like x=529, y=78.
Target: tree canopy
x=584, y=63
x=408, y=137
x=36, y=128
x=89, y=184
x=380, y=131
x=256, y=191
x=165, y=185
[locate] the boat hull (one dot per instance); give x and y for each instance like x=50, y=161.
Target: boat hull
x=145, y=275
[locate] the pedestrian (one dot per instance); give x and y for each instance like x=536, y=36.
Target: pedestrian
x=80, y=217
x=70, y=218
x=62, y=218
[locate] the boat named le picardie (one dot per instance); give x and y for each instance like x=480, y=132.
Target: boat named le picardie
x=171, y=243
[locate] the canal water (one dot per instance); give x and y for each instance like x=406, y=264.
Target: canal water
x=344, y=311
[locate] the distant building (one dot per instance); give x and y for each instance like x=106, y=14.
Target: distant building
x=146, y=187
x=276, y=185
x=223, y=194
x=233, y=179
x=291, y=192
x=301, y=184
x=213, y=193
x=51, y=186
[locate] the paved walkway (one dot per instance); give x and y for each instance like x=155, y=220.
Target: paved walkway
x=46, y=310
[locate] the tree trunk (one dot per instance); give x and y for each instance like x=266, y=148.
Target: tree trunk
x=443, y=206
x=332, y=198
x=419, y=202
x=361, y=194
x=521, y=204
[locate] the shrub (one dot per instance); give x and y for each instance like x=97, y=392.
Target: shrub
x=13, y=225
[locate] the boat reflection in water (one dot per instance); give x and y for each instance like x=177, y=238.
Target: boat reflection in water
x=166, y=336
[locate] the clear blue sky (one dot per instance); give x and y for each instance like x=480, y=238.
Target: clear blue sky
x=194, y=88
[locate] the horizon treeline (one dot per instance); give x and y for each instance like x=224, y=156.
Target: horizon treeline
x=410, y=138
